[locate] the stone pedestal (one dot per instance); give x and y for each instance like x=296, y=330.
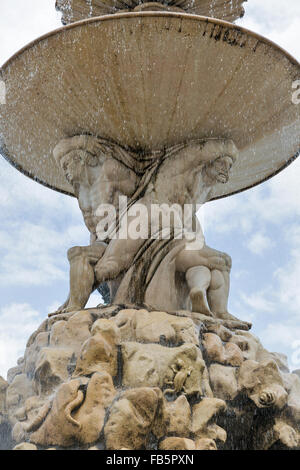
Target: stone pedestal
x=129, y=378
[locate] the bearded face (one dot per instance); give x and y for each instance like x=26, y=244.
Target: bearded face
x=219, y=170
x=72, y=165
x=75, y=163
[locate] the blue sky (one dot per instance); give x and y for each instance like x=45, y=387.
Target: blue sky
x=260, y=228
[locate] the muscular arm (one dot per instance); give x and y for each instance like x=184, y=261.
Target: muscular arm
x=78, y=142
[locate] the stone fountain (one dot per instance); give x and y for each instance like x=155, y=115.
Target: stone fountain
x=138, y=109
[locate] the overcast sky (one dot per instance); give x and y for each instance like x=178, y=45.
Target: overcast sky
x=260, y=228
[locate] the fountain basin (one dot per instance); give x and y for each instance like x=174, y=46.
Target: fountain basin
x=151, y=80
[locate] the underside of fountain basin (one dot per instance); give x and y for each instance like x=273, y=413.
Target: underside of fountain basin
x=147, y=81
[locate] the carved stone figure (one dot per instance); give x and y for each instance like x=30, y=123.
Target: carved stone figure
x=191, y=169
x=97, y=179
x=263, y=384
x=100, y=172
x=153, y=365
x=132, y=418
x=78, y=411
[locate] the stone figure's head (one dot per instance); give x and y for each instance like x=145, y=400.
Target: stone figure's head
x=221, y=154
x=72, y=165
x=77, y=157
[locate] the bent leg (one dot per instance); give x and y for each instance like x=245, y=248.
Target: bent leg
x=218, y=294
x=121, y=250
x=82, y=277
x=198, y=279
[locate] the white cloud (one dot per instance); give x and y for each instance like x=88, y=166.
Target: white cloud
x=18, y=322
x=259, y=243
x=276, y=202
x=276, y=19
x=54, y=306
x=37, y=227
x=259, y=302
x=288, y=277
x=22, y=21
x=35, y=254
x=283, y=335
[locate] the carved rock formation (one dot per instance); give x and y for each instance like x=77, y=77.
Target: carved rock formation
x=132, y=378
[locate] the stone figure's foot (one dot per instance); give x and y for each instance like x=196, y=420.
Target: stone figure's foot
x=60, y=309
x=226, y=316
x=233, y=321
x=199, y=302
x=72, y=308
x=57, y=312
x=68, y=309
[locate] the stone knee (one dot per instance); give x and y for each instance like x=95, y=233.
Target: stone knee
x=102, y=273
x=107, y=269
x=74, y=252
x=198, y=276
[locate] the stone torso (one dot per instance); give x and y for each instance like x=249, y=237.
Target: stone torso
x=180, y=179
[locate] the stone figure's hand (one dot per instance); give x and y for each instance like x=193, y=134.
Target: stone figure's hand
x=94, y=145
x=227, y=259
x=216, y=262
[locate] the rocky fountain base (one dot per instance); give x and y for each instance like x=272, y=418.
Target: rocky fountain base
x=130, y=378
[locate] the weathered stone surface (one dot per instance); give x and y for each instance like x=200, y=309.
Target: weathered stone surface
x=13, y=372
x=179, y=417
x=79, y=416
x=203, y=415
x=132, y=418
x=174, y=369
x=32, y=352
x=154, y=327
x=99, y=352
x=42, y=329
x=248, y=343
x=3, y=387
x=263, y=384
x=18, y=391
x=205, y=444
x=281, y=360
x=224, y=333
x=173, y=399
x=25, y=446
x=292, y=386
x=177, y=443
x=51, y=369
x=286, y=435
x=72, y=333
x=230, y=354
x=223, y=381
